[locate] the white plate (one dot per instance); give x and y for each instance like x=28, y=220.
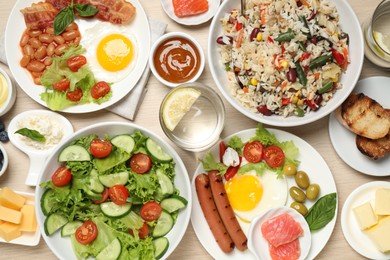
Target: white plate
x=27, y=238
x=16, y=26
x=360, y=242
x=62, y=247
x=191, y=20
x=343, y=140
x=311, y=162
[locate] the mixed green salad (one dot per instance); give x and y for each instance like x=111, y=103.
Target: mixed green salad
x=114, y=197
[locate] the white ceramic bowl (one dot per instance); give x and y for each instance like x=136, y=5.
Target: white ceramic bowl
x=62, y=247
x=5, y=160
x=169, y=36
x=348, y=22
x=11, y=96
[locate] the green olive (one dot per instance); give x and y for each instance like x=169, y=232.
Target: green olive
x=297, y=194
x=290, y=169
x=299, y=207
x=302, y=180
x=312, y=191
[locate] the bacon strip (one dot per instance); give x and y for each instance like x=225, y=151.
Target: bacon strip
x=39, y=16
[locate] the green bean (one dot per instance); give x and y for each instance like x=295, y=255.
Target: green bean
x=319, y=61
x=326, y=87
x=299, y=112
x=285, y=37
x=301, y=74
x=305, y=23
x=302, y=46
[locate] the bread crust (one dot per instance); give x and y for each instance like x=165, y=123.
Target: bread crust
x=373, y=148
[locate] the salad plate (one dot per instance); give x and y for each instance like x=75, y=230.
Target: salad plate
x=138, y=28
x=310, y=161
x=343, y=140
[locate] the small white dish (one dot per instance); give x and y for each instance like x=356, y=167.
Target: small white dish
x=37, y=157
x=11, y=95
x=355, y=237
x=258, y=245
x=5, y=160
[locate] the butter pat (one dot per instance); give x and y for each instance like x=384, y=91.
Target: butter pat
x=29, y=221
x=365, y=216
x=382, y=201
x=379, y=234
x=10, y=199
x=10, y=215
x=9, y=231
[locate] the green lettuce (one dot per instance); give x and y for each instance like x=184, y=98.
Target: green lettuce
x=264, y=136
x=236, y=143
x=209, y=163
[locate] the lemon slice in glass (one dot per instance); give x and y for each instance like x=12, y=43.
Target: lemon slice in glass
x=177, y=104
x=383, y=40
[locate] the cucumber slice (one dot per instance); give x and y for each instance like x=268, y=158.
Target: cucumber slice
x=46, y=202
x=112, y=210
x=173, y=203
x=161, y=245
x=111, y=252
x=164, y=224
x=53, y=223
x=94, y=183
x=124, y=142
x=74, y=153
x=156, y=152
x=70, y=228
x=119, y=178
x=93, y=195
x=165, y=183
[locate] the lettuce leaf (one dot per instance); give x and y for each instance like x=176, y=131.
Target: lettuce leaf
x=264, y=136
x=209, y=164
x=291, y=152
x=236, y=143
x=258, y=167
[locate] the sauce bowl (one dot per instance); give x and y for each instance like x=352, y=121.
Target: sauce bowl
x=7, y=92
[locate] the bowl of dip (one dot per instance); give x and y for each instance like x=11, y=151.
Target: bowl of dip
x=176, y=58
x=7, y=92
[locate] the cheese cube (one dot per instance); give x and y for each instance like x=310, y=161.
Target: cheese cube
x=29, y=221
x=9, y=231
x=10, y=215
x=379, y=234
x=382, y=201
x=365, y=216
x=10, y=199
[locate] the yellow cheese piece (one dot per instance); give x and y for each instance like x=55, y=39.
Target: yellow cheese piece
x=382, y=201
x=365, y=216
x=10, y=199
x=9, y=231
x=29, y=221
x=379, y=234
x=10, y=215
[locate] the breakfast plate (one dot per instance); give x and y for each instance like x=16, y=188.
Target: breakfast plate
x=343, y=140
x=138, y=29
x=310, y=161
x=356, y=238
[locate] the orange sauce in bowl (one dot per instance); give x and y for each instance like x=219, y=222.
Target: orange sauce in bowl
x=177, y=60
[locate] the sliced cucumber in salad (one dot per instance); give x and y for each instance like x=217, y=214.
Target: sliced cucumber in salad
x=111, y=252
x=54, y=222
x=156, y=152
x=70, y=228
x=161, y=245
x=124, y=142
x=94, y=182
x=112, y=210
x=165, y=183
x=74, y=153
x=164, y=224
x=119, y=178
x=173, y=203
x=46, y=204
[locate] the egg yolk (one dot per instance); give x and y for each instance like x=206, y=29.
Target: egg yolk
x=114, y=52
x=244, y=192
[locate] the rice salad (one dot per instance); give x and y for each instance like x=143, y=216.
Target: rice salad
x=284, y=57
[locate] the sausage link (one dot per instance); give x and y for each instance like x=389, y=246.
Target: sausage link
x=206, y=201
x=226, y=212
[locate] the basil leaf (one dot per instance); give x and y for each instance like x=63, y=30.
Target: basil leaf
x=322, y=212
x=33, y=134
x=85, y=10
x=63, y=19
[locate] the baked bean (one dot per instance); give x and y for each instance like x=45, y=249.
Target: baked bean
x=59, y=39
x=24, y=40
x=60, y=48
x=40, y=53
x=50, y=30
x=36, y=66
x=34, y=33
x=76, y=41
x=36, y=74
x=48, y=61
x=37, y=81
x=28, y=50
x=46, y=38
x=50, y=49
x=25, y=60
x=35, y=43
x=70, y=35
x=71, y=27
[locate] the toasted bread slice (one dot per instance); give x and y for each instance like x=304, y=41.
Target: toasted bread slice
x=373, y=148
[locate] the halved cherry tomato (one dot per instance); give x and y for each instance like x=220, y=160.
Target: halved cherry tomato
x=274, y=156
x=100, y=148
x=222, y=149
x=62, y=176
x=62, y=85
x=75, y=95
x=86, y=233
x=100, y=89
x=140, y=163
x=150, y=211
x=231, y=171
x=76, y=62
x=118, y=194
x=143, y=232
x=253, y=152
x=104, y=197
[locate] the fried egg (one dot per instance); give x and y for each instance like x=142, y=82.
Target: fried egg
x=111, y=51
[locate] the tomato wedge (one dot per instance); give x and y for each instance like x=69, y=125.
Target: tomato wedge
x=253, y=152
x=231, y=171
x=274, y=156
x=140, y=163
x=222, y=149
x=150, y=211
x=62, y=176
x=75, y=95
x=100, y=89
x=100, y=148
x=104, y=197
x=86, y=233
x=143, y=232
x=62, y=85
x=118, y=194
x=76, y=62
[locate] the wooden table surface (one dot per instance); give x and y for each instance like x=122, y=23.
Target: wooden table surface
x=316, y=134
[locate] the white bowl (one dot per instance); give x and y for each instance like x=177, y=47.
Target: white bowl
x=176, y=35
x=62, y=247
x=348, y=22
x=11, y=96
x=5, y=160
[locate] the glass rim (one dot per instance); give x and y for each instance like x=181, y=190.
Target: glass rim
x=374, y=17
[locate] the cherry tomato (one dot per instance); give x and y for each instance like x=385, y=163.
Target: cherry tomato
x=100, y=148
x=253, y=152
x=118, y=194
x=75, y=95
x=231, y=171
x=100, y=89
x=222, y=149
x=150, y=211
x=143, y=232
x=274, y=156
x=76, y=62
x=140, y=163
x=62, y=85
x=86, y=233
x=61, y=177
x=104, y=197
